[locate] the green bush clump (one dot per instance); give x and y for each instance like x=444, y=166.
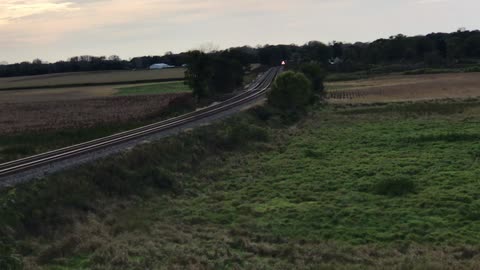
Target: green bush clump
x=8, y=217
x=8, y=261
x=394, y=186
x=162, y=178
x=263, y=113
x=475, y=152
x=316, y=75
x=239, y=132
x=473, y=69
x=291, y=92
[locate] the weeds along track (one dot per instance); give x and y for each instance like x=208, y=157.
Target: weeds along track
x=9, y=170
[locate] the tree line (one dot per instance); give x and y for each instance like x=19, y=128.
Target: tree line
x=434, y=50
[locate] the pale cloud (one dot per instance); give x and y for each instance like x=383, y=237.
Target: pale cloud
x=60, y=18
x=432, y=1
x=56, y=29
x=11, y=10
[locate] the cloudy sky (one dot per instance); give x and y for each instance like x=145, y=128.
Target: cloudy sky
x=57, y=29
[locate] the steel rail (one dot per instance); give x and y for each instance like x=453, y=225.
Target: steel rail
x=184, y=116
x=25, y=164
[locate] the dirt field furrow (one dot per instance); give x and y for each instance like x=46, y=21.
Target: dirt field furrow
x=405, y=88
x=57, y=115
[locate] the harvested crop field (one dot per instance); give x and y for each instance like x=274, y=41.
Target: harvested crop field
x=405, y=88
x=90, y=78
x=56, y=115
x=88, y=92
x=58, y=94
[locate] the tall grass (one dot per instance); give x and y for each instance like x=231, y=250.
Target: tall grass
x=333, y=190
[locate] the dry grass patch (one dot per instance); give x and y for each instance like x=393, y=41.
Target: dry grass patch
x=405, y=88
x=96, y=243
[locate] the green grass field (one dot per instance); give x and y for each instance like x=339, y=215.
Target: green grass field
x=365, y=187
x=357, y=177
x=158, y=88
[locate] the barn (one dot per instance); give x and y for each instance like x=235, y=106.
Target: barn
x=160, y=66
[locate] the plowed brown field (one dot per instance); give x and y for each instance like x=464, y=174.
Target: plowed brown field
x=405, y=88
x=54, y=115
x=92, y=78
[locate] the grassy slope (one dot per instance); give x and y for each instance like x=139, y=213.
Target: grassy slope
x=306, y=197
x=319, y=183
x=18, y=146
x=159, y=88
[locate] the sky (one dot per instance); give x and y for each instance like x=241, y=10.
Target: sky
x=55, y=30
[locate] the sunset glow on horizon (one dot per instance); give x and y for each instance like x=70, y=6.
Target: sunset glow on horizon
x=11, y=10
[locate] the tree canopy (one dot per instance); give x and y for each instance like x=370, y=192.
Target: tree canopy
x=291, y=91
x=211, y=74
x=436, y=49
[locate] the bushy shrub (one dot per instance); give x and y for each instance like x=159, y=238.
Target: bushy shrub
x=263, y=113
x=115, y=179
x=8, y=218
x=291, y=91
x=238, y=132
x=161, y=178
x=8, y=261
x=473, y=69
x=394, y=186
x=316, y=75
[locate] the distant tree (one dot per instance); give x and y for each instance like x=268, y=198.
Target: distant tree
x=317, y=51
x=437, y=49
x=227, y=75
x=433, y=59
x=274, y=55
x=37, y=61
x=472, y=46
x=441, y=47
x=424, y=46
x=243, y=55
x=210, y=74
x=74, y=59
x=337, y=48
x=114, y=58
x=316, y=74
x=208, y=47
x=199, y=73
x=291, y=91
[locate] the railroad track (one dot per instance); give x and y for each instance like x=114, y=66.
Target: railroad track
x=254, y=91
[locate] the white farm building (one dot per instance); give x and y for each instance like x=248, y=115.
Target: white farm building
x=160, y=66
